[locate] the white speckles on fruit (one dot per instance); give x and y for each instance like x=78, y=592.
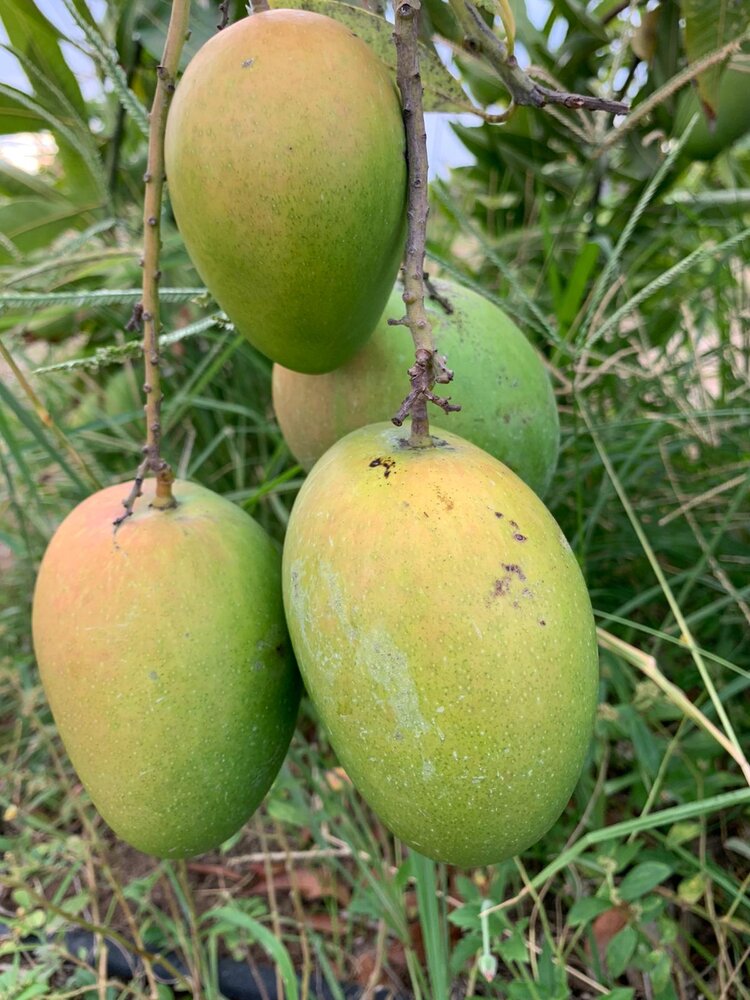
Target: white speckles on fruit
x=461, y=697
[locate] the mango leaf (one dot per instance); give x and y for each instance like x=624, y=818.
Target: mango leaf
x=32, y=223
x=504, y=11
x=578, y=17
x=441, y=91
x=17, y=183
x=710, y=24
x=32, y=34
x=106, y=57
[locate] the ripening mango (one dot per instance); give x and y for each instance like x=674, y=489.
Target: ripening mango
x=445, y=635
x=287, y=175
x=508, y=406
x=164, y=655
x=732, y=120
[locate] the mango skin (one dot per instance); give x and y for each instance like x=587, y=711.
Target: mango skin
x=732, y=117
x=444, y=632
x=165, y=659
x=508, y=406
x=287, y=176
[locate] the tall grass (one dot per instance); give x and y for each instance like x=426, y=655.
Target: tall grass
x=643, y=886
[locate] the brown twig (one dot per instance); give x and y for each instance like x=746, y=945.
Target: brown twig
x=434, y=294
x=147, y=311
x=224, y=14
x=429, y=367
x=480, y=39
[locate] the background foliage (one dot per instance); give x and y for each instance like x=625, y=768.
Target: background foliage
x=625, y=261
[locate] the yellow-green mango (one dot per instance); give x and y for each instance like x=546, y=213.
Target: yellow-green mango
x=444, y=633
x=165, y=659
x=286, y=172
x=732, y=116
x=508, y=406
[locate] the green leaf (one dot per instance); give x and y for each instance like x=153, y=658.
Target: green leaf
x=642, y=879
x=36, y=38
x=660, y=970
x=441, y=91
x=709, y=25
x=681, y=833
x=513, y=948
x=91, y=297
x=583, y=911
x=432, y=921
x=31, y=423
x=106, y=57
x=265, y=938
x=692, y=889
x=32, y=223
x=17, y=183
x=620, y=950
x=575, y=288
x=36, y=115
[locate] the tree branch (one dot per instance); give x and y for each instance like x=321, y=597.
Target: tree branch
x=428, y=367
x=223, y=14
x=480, y=39
x=147, y=312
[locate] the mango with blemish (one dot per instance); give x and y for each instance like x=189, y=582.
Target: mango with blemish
x=444, y=632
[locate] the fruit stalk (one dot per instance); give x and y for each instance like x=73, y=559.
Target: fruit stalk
x=428, y=367
x=147, y=312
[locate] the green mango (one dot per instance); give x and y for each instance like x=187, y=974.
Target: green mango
x=287, y=175
x=445, y=635
x=164, y=655
x=507, y=404
x=732, y=116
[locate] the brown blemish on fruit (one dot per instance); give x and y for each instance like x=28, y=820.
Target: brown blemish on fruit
x=519, y=537
x=386, y=464
x=501, y=587
x=498, y=514
x=445, y=501
x=542, y=621
x=515, y=568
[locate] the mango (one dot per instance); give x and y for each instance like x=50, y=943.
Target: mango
x=286, y=172
x=508, y=407
x=445, y=635
x=166, y=662
x=732, y=116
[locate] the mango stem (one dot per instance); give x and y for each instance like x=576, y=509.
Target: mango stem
x=428, y=367
x=146, y=313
